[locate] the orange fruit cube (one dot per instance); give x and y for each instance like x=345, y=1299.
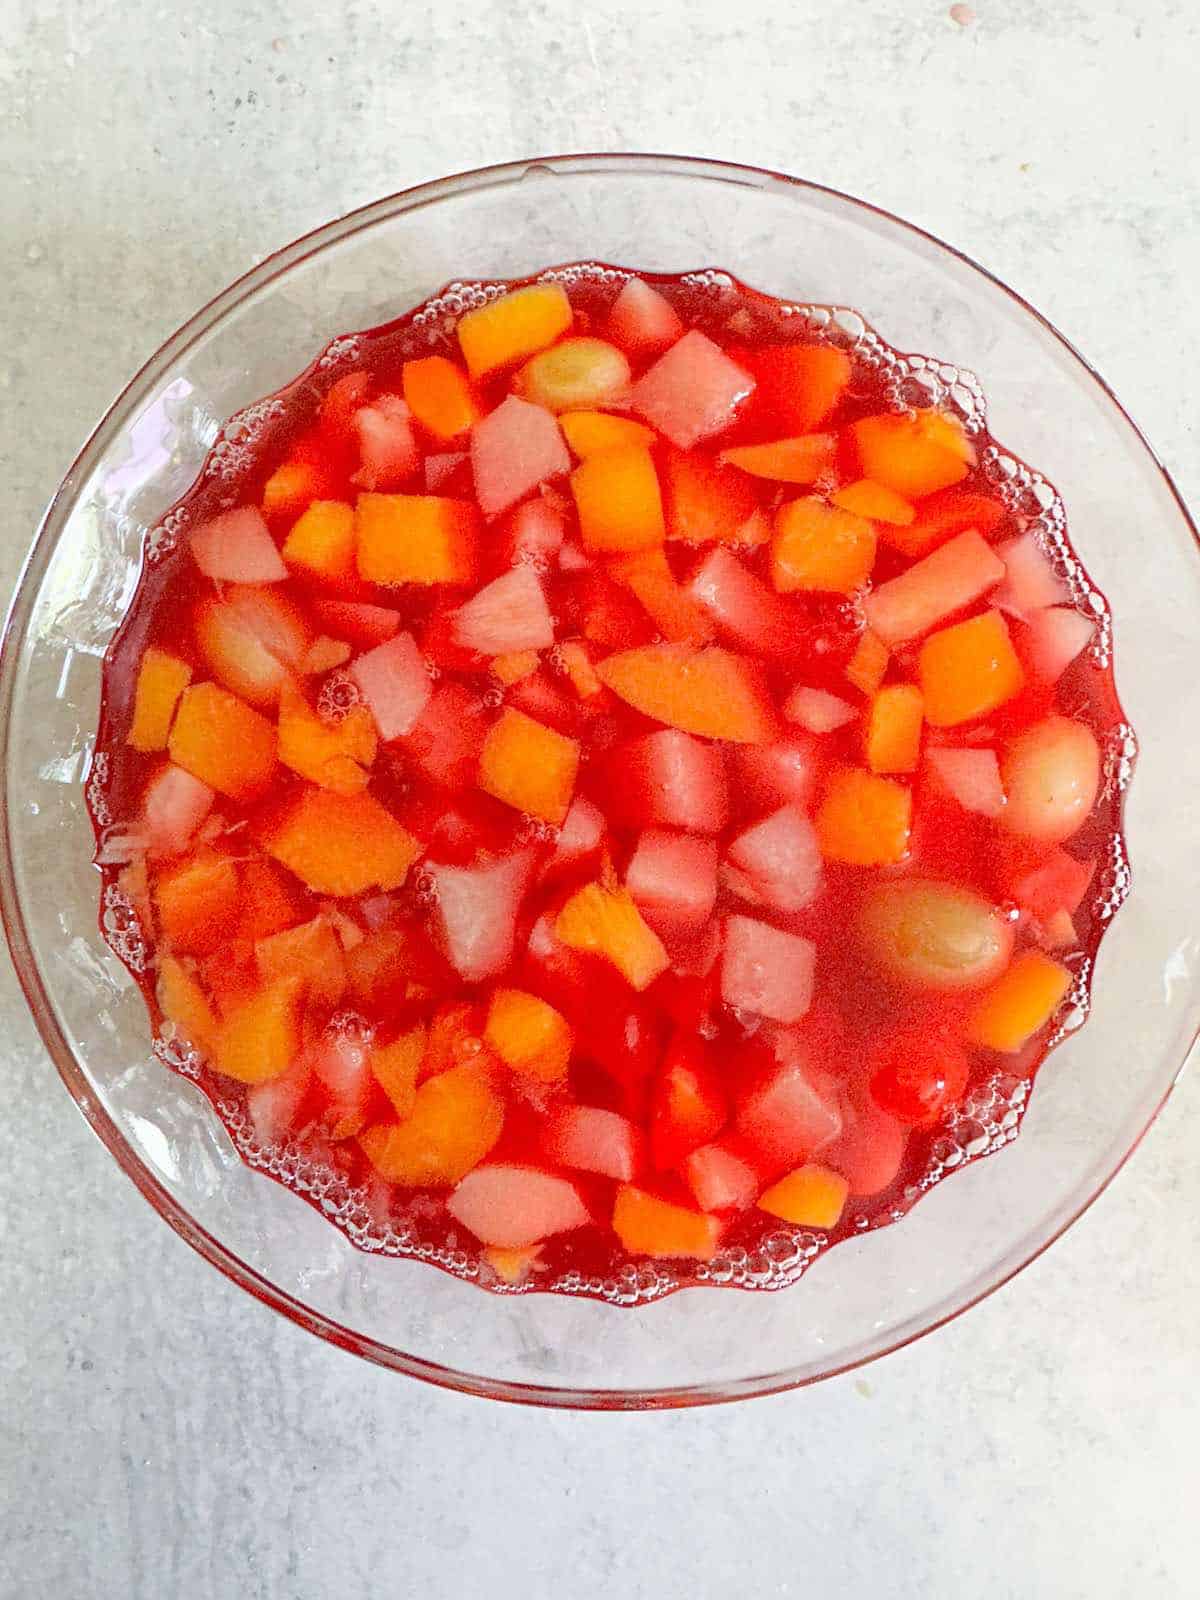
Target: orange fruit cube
x=864, y=820
x=618, y=500
x=669, y=606
x=322, y=542
x=529, y=766
x=456, y=1119
x=529, y=1036
x=803, y=383
x=577, y=665
x=259, y=1039
x=648, y=1226
x=415, y=538
x=1019, y=1003
x=378, y=968
x=817, y=547
x=311, y=953
x=515, y=325
x=512, y=1266
x=590, y=432
x=342, y=844
x=290, y=488
x=439, y=396
x=967, y=670
x=395, y=1067
x=161, y=680
x=220, y=740
x=812, y=1197
x=873, y=501
x=801, y=460
x=514, y=665
x=893, y=731
x=607, y=922
x=271, y=901
x=868, y=665
x=454, y=1040
x=710, y=692
x=195, y=901
x=334, y=755
x=914, y=453
x=183, y=1002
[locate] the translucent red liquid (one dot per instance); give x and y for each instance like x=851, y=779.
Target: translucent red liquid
x=622, y=1038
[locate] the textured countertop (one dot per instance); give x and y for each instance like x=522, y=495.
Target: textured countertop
x=162, y=1437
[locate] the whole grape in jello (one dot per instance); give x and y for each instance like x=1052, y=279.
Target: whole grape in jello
x=608, y=782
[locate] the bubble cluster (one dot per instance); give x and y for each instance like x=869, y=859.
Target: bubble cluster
x=340, y=352
x=338, y=696
x=164, y=537
x=122, y=930
x=585, y=272
x=97, y=781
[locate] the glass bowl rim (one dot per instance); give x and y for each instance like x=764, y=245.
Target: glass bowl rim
x=274, y=266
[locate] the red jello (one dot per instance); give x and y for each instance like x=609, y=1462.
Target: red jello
x=612, y=777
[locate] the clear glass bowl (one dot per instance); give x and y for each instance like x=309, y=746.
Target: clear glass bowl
x=1098, y=1092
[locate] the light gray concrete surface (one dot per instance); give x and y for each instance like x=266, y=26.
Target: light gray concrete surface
x=164, y=1438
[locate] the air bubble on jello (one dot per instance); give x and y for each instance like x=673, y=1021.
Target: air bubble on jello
x=122, y=930
x=340, y=352
x=1120, y=757
x=338, y=696
x=97, y=781
x=1115, y=880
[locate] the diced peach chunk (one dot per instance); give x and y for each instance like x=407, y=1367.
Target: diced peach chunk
x=529, y=1036
x=967, y=670
x=222, y=742
x=324, y=655
x=1023, y=1001
x=674, y=612
x=342, y=844
x=618, y=500
x=953, y=577
x=415, y=538
x=709, y=692
x=915, y=453
x=589, y=433
x=801, y=460
x=512, y=1206
x=811, y=1197
x=184, y=1003
x=395, y=1067
x=892, y=739
x=867, y=667
x=577, y=664
x=456, y=1119
x=290, y=488
x=335, y=755
x=515, y=325
x=873, y=501
x=311, y=953
x=439, y=396
x=940, y=517
x=161, y=680
x=513, y=665
x=321, y=542
x=705, y=503
x=689, y=1107
x=649, y=1226
x=529, y=766
x=258, y=1041
x=513, y=1266
x=864, y=820
x=817, y=547
x=606, y=922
